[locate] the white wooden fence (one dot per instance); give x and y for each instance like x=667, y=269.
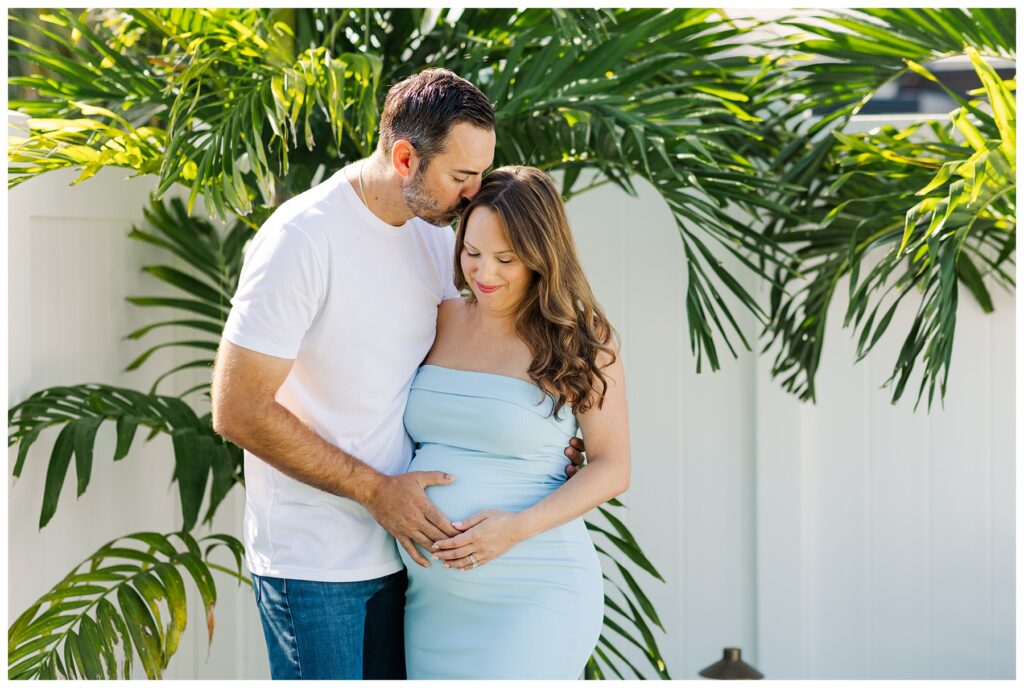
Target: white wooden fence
x=846, y=539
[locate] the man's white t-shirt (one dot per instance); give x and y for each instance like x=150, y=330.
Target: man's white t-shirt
x=353, y=300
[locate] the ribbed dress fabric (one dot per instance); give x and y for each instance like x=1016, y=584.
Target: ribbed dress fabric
x=535, y=612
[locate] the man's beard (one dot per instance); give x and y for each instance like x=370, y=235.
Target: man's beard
x=423, y=206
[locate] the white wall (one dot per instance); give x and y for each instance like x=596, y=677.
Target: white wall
x=850, y=539
x=886, y=536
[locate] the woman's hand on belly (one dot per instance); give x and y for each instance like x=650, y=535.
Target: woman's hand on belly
x=486, y=536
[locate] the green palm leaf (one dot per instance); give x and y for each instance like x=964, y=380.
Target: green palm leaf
x=889, y=193
x=613, y=548
x=242, y=75
x=70, y=126
x=578, y=107
x=143, y=574
x=200, y=455
x=212, y=260
x=233, y=69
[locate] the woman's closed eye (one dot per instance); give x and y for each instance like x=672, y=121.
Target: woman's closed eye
x=506, y=261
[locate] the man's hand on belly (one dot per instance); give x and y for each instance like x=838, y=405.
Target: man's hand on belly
x=400, y=504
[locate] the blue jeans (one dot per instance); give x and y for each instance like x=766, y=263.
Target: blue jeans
x=317, y=630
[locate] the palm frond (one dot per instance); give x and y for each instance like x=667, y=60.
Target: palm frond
x=115, y=604
x=239, y=90
x=200, y=455
x=578, y=108
x=241, y=78
x=86, y=142
x=629, y=612
x=213, y=260
x=82, y=73
x=903, y=199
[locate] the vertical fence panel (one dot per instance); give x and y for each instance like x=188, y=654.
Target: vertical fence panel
x=905, y=552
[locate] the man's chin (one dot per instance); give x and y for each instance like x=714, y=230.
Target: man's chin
x=439, y=221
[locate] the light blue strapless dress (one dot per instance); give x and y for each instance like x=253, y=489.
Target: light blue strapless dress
x=536, y=612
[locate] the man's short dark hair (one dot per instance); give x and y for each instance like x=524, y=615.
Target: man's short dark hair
x=424, y=107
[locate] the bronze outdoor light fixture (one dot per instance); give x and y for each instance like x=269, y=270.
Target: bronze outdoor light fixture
x=730, y=666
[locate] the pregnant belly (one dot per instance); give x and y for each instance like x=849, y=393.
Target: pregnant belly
x=486, y=481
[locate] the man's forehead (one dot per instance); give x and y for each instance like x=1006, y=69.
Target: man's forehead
x=470, y=149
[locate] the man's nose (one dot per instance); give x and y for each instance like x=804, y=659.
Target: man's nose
x=474, y=186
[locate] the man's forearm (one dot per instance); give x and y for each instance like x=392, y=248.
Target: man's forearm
x=277, y=436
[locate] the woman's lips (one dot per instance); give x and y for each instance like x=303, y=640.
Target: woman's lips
x=486, y=290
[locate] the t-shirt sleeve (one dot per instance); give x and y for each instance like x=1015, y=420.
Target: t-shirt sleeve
x=279, y=293
x=450, y=292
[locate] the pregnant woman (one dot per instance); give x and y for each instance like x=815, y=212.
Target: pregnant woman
x=517, y=366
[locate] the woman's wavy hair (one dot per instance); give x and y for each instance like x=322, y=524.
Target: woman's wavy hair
x=558, y=318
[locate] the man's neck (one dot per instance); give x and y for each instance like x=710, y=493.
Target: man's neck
x=380, y=190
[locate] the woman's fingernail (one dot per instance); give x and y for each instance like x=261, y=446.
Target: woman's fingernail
x=457, y=524
x=436, y=545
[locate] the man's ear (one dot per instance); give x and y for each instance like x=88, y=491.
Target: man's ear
x=403, y=157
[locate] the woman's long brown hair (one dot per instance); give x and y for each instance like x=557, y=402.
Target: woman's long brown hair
x=558, y=318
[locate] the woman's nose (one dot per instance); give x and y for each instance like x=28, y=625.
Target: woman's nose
x=488, y=271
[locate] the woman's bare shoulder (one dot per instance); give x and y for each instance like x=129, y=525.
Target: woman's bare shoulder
x=450, y=315
x=448, y=306
x=450, y=312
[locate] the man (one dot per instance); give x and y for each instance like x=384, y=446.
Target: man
x=335, y=309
